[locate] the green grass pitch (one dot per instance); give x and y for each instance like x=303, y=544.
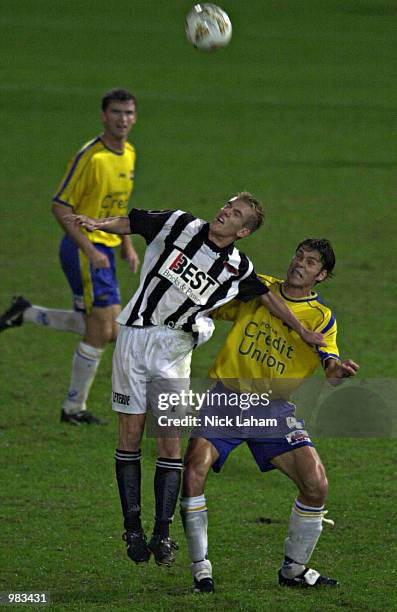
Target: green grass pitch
x=299, y=109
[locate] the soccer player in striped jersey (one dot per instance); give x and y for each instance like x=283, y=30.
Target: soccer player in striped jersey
x=190, y=268
x=261, y=354
x=98, y=181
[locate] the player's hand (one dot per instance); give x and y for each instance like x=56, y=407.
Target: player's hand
x=347, y=368
x=131, y=257
x=98, y=259
x=336, y=371
x=81, y=220
x=133, y=261
x=71, y=219
x=311, y=337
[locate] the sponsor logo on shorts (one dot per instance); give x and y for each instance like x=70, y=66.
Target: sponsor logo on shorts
x=188, y=278
x=297, y=436
x=293, y=423
x=120, y=398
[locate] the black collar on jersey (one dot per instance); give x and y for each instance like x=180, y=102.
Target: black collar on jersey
x=112, y=150
x=310, y=298
x=227, y=250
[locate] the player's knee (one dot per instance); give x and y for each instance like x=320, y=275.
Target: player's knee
x=130, y=431
x=114, y=332
x=130, y=440
x=100, y=327
x=107, y=332
x=315, y=488
x=195, y=474
x=169, y=447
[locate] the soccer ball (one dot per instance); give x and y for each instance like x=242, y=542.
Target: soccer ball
x=208, y=27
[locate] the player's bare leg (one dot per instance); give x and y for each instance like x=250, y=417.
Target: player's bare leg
x=305, y=468
x=200, y=456
x=100, y=329
x=101, y=326
x=128, y=474
x=131, y=428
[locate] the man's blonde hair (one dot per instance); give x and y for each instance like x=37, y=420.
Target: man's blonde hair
x=256, y=219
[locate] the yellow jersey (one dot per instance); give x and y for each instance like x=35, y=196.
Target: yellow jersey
x=261, y=352
x=98, y=183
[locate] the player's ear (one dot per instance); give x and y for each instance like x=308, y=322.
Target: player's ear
x=321, y=276
x=244, y=232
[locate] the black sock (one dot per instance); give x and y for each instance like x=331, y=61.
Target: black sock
x=167, y=481
x=128, y=473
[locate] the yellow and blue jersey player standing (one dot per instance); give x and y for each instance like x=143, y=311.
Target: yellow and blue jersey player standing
x=98, y=182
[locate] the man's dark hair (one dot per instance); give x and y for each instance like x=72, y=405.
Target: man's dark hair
x=324, y=247
x=118, y=95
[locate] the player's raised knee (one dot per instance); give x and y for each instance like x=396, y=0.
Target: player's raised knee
x=198, y=460
x=315, y=488
x=107, y=332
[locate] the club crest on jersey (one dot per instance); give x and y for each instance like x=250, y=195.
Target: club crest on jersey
x=188, y=278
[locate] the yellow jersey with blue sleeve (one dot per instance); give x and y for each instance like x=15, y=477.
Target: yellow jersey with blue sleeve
x=260, y=348
x=98, y=183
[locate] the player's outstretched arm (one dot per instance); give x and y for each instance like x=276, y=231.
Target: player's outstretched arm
x=110, y=225
x=336, y=371
x=280, y=309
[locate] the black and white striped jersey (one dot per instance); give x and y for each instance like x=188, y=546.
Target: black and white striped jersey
x=184, y=275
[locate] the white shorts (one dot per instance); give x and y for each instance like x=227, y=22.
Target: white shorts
x=148, y=361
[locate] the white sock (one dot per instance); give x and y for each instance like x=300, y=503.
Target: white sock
x=63, y=320
x=195, y=523
x=84, y=366
x=201, y=569
x=305, y=528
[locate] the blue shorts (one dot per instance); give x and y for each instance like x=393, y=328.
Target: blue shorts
x=262, y=450
x=91, y=288
x=282, y=433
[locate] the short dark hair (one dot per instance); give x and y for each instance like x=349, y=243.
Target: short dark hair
x=256, y=219
x=324, y=247
x=117, y=94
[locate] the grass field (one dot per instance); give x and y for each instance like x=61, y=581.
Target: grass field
x=300, y=110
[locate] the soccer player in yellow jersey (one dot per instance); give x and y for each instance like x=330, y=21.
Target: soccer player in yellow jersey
x=98, y=182
x=263, y=358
